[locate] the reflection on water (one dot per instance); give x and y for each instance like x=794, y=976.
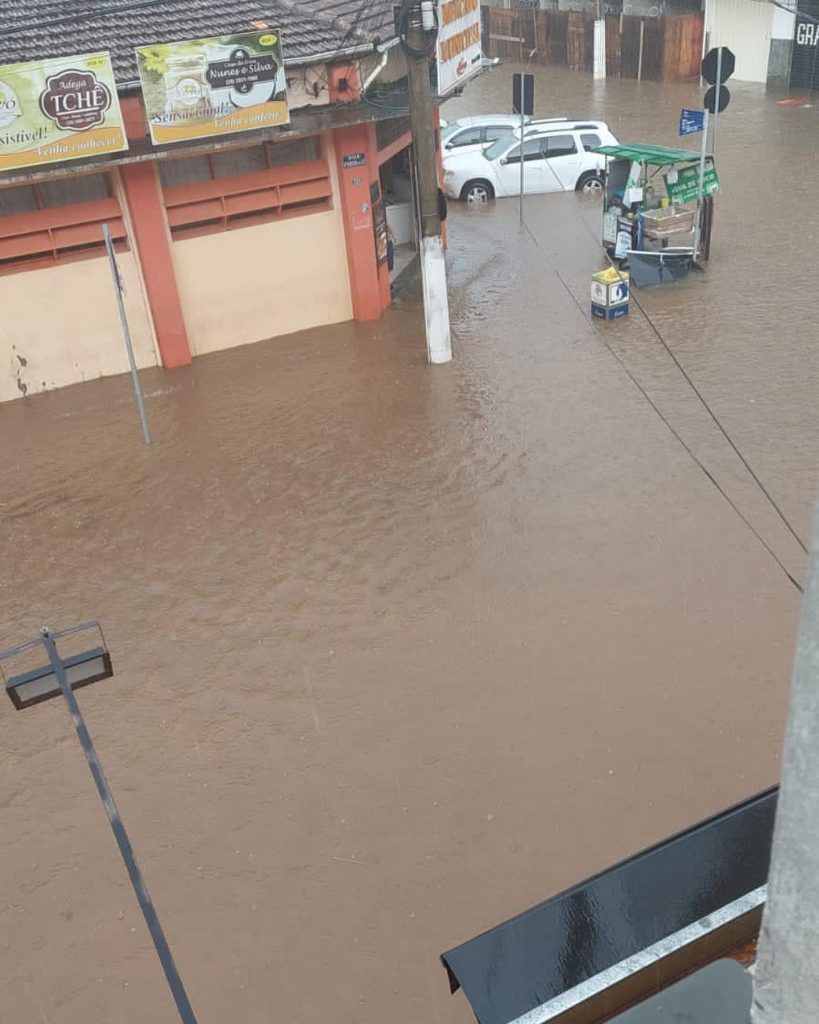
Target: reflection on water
x=399, y=650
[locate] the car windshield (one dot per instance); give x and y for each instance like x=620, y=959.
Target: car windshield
x=450, y=128
x=498, y=148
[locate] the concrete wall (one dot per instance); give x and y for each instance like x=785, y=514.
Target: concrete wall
x=746, y=27
x=307, y=86
x=259, y=282
x=60, y=325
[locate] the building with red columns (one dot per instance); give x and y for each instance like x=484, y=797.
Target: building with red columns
x=221, y=241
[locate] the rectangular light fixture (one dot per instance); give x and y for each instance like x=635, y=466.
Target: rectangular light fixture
x=41, y=684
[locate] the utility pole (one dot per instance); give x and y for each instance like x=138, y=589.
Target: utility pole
x=786, y=981
x=418, y=34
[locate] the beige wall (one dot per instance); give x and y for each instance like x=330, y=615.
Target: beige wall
x=307, y=86
x=258, y=282
x=745, y=26
x=63, y=322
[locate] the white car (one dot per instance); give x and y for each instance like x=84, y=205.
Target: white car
x=557, y=155
x=472, y=134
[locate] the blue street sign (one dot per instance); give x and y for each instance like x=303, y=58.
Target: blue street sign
x=692, y=121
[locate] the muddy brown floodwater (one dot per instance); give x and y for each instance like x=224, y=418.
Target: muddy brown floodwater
x=400, y=651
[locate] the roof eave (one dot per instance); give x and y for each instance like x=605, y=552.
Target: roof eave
x=362, y=50
x=313, y=58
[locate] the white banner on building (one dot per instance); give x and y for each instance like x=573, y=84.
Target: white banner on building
x=459, y=42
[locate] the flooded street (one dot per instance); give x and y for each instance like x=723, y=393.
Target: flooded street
x=400, y=650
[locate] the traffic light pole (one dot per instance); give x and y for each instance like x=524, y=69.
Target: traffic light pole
x=415, y=43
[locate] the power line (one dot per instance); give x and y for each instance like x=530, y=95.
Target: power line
x=720, y=427
x=713, y=416
x=364, y=11
x=676, y=434
x=72, y=19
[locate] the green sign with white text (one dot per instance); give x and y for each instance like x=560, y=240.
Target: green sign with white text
x=685, y=188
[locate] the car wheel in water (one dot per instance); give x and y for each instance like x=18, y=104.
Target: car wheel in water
x=590, y=184
x=477, y=192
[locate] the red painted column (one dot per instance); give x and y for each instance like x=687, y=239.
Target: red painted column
x=153, y=244
x=357, y=163
x=144, y=196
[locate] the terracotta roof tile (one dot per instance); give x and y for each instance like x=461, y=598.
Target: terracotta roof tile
x=32, y=29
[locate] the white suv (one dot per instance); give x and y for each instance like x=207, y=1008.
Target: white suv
x=557, y=155
x=472, y=134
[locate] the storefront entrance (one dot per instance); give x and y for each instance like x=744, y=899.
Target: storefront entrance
x=396, y=176
x=805, y=61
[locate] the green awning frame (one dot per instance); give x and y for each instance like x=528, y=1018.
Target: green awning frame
x=658, y=156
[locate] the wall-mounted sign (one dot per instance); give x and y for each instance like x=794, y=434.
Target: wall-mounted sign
x=686, y=186
x=217, y=86
x=65, y=108
x=353, y=159
x=459, y=42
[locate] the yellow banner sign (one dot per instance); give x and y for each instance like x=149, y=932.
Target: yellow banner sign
x=64, y=108
x=217, y=86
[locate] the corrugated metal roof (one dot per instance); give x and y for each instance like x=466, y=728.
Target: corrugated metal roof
x=34, y=29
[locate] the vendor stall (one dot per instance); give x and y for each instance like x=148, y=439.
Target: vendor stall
x=651, y=204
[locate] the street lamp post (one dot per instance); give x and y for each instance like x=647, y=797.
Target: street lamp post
x=63, y=676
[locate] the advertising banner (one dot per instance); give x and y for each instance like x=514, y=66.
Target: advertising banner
x=684, y=186
x=218, y=86
x=459, y=42
x=63, y=108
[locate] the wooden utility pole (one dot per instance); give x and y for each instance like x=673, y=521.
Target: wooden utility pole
x=786, y=981
x=418, y=33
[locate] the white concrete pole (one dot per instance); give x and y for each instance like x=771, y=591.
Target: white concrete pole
x=786, y=982
x=599, y=44
x=417, y=46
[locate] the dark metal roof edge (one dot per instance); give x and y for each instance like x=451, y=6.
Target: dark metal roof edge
x=620, y=865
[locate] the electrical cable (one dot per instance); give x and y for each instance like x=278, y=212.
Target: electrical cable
x=352, y=26
x=675, y=433
x=713, y=415
x=721, y=428
x=122, y=8
x=415, y=52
